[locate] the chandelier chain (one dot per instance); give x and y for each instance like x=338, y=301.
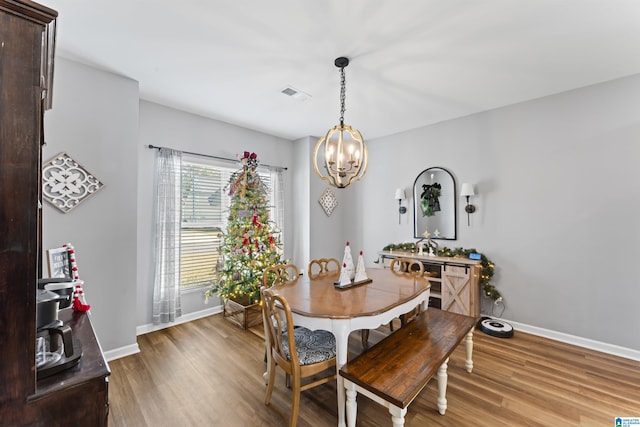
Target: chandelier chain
x=342, y=95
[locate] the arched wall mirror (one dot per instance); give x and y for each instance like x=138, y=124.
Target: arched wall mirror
x=434, y=204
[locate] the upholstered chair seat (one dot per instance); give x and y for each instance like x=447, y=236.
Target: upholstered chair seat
x=311, y=346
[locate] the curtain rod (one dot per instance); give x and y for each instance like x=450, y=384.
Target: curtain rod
x=217, y=157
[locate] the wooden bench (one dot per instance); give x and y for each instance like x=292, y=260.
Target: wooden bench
x=395, y=370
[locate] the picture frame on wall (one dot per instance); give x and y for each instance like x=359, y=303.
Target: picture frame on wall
x=59, y=263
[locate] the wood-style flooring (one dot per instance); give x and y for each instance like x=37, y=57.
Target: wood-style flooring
x=209, y=373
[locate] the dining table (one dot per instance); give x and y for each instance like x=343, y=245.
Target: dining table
x=317, y=302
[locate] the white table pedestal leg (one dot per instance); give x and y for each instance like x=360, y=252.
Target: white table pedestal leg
x=442, y=387
x=341, y=332
x=468, y=343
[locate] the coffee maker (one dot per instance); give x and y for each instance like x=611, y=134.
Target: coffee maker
x=56, y=349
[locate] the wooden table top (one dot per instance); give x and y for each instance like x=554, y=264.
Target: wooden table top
x=318, y=297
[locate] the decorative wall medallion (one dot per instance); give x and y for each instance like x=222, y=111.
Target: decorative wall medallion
x=66, y=183
x=328, y=201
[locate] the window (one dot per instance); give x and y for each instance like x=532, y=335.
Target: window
x=204, y=209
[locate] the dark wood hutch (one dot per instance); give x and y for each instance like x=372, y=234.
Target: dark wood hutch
x=77, y=396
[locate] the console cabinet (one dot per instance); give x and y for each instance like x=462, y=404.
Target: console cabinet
x=79, y=396
x=455, y=284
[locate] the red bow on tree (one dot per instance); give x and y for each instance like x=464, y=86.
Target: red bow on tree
x=251, y=159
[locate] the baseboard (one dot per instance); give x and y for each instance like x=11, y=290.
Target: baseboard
x=121, y=352
x=615, y=350
x=150, y=327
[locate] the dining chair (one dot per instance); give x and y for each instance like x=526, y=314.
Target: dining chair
x=407, y=266
x=301, y=354
x=276, y=275
x=400, y=266
x=279, y=274
x=323, y=266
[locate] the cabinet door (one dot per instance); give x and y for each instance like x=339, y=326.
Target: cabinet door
x=22, y=24
x=19, y=154
x=460, y=290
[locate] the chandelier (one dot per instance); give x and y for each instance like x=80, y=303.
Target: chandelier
x=343, y=154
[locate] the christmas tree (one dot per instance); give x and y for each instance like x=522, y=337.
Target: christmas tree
x=250, y=244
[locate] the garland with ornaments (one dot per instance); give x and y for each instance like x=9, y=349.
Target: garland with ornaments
x=486, y=272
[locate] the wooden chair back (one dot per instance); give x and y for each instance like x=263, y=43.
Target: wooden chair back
x=277, y=315
x=407, y=265
x=279, y=274
x=282, y=349
x=403, y=266
x=323, y=266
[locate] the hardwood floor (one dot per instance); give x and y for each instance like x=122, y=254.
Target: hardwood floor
x=209, y=373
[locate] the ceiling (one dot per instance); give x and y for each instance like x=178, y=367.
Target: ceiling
x=413, y=62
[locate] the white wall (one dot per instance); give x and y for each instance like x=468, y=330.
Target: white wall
x=328, y=234
x=558, y=182
x=95, y=120
x=301, y=203
x=166, y=127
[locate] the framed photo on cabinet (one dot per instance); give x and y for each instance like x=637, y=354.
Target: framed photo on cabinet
x=59, y=263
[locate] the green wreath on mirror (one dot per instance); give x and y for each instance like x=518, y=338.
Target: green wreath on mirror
x=430, y=201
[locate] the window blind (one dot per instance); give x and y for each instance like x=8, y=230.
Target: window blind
x=205, y=207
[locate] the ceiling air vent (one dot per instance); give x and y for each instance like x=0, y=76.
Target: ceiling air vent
x=295, y=93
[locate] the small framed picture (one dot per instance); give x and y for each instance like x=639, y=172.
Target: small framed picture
x=59, y=263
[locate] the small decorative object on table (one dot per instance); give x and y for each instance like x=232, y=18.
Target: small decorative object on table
x=345, y=277
x=347, y=261
x=360, y=274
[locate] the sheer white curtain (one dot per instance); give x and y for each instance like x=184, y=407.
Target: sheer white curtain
x=277, y=200
x=166, y=289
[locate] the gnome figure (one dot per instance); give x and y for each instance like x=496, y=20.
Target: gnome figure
x=361, y=273
x=345, y=278
x=347, y=261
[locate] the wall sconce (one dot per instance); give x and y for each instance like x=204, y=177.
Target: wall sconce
x=467, y=191
x=400, y=197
